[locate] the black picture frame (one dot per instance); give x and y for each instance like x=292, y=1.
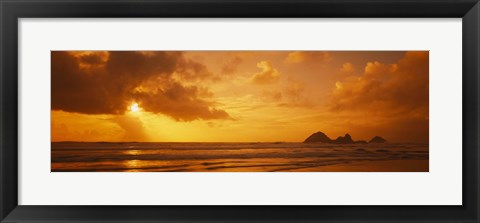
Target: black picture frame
x=12, y=10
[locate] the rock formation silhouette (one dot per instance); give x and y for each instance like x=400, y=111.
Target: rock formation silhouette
x=347, y=139
x=320, y=137
x=377, y=139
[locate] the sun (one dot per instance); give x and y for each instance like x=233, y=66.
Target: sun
x=134, y=107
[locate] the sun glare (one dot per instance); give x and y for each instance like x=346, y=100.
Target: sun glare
x=134, y=107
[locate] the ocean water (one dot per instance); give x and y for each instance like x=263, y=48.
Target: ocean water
x=237, y=157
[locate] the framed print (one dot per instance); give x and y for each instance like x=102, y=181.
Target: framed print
x=181, y=93
x=239, y=111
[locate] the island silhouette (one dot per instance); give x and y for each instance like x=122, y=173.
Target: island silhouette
x=320, y=137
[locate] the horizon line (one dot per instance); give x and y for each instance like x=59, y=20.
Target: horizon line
x=67, y=141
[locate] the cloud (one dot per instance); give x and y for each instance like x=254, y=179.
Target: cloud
x=307, y=57
x=293, y=94
x=268, y=74
x=347, y=68
x=403, y=85
x=232, y=65
x=296, y=94
x=190, y=70
x=108, y=82
x=272, y=95
x=295, y=89
x=179, y=102
x=393, y=93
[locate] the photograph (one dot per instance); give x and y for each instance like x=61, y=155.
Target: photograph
x=239, y=111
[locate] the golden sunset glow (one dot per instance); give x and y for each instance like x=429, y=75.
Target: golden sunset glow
x=238, y=96
x=134, y=107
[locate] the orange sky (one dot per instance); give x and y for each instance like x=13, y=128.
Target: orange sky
x=238, y=96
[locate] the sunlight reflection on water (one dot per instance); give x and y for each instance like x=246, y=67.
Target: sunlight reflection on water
x=237, y=157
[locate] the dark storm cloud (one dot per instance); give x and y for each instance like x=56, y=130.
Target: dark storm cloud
x=108, y=82
x=177, y=102
x=93, y=59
